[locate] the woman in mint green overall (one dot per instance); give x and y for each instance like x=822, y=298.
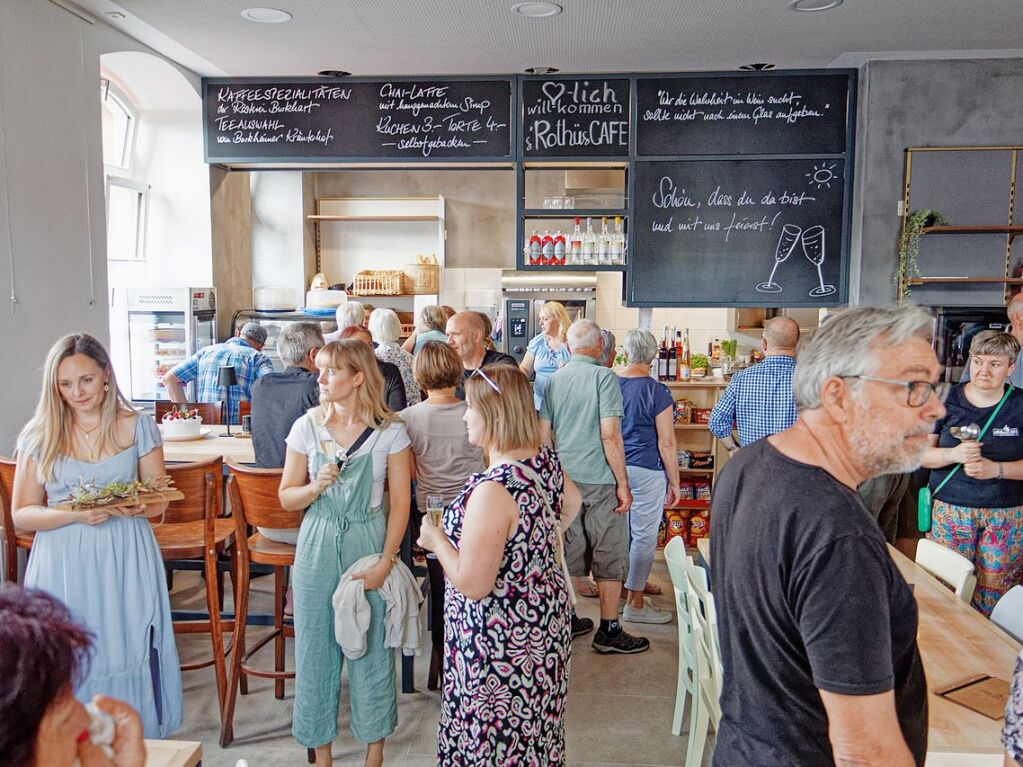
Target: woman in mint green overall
x=344, y=522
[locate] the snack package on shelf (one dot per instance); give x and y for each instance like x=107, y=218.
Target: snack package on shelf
x=676, y=525
x=683, y=410
x=701, y=459
x=701, y=414
x=683, y=459
x=701, y=488
x=686, y=491
x=699, y=526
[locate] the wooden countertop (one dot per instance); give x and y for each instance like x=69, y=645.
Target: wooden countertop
x=956, y=643
x=237, y=449
x=173, y=753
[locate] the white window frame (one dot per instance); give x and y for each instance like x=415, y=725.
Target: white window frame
x=141, y=214
x=109, y=91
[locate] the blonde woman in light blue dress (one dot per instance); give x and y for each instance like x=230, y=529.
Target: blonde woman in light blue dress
x=104, y=564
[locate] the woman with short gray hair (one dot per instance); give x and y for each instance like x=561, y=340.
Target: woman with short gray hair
x=385, y=327
x=977, y=485
x=648, y=431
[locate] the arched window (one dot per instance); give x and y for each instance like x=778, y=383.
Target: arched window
x=118, y=127
x=126, y=199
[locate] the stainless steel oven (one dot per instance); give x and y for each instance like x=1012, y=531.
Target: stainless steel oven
x=524, y=294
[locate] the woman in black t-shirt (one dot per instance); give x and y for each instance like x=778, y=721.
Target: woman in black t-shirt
x=979, y=511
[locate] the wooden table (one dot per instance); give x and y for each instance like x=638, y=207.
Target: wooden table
x=173, y=753
x=235, y=449
x=956, y=643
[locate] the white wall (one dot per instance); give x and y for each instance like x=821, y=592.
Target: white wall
x=52, y=211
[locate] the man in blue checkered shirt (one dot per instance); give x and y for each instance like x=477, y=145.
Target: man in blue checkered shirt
x=243, y=353
x=759, y=399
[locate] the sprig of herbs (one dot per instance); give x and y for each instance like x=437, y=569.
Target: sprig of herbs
x=87, y=495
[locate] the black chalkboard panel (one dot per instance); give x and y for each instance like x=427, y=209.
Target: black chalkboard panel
x=578, y=117
x=318, y=121
x=738, y=232
x=742, y=114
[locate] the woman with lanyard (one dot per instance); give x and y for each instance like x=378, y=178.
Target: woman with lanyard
x=343, y=488
x=977, y=484
x=548, y=350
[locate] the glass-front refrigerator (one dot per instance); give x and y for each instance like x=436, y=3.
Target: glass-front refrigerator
x=165, y=328
x=276, y=322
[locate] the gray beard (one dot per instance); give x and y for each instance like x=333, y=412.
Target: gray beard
x=878, y=450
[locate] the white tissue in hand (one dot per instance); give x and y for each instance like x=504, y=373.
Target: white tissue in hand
x=101, y=729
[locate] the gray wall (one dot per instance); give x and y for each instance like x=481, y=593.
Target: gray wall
x=919, y=103
x=52, y=211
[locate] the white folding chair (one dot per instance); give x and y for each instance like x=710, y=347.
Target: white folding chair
x=949, y=567
x=1008, y=613
x=688, y=675
x=703, y=614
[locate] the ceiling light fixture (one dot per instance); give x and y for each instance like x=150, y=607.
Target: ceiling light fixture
x=536, y=10
x=810, y=6
x=334, y=73
x=266, y=15
x=541, y=70
x=756, y=67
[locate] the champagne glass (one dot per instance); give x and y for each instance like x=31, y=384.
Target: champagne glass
x=813, y=249
x=786, y=244
x=434, y=514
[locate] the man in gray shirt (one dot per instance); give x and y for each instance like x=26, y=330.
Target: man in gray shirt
x=581, y=416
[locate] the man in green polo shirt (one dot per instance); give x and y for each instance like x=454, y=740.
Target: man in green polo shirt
x=581, y=416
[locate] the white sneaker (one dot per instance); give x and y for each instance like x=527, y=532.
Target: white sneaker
x=646, y=614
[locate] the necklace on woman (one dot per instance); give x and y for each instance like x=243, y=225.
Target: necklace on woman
x=86, y=435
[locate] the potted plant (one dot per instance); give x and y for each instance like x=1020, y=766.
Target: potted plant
x=699, y=363
x=909, y=247
x=728, y=349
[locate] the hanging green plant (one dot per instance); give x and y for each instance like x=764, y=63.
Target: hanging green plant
x=909, y=247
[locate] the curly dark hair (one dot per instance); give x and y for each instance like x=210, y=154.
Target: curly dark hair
x=42, y=652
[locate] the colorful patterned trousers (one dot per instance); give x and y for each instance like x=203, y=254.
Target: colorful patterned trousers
x=990, y=538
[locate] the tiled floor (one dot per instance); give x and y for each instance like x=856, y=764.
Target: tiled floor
x=619, y=707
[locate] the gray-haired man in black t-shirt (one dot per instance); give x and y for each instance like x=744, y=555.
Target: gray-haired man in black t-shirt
x=817, y=626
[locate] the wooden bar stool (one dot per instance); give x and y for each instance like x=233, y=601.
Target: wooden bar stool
x=252, y=494
x=193, y=529
x=14, y=539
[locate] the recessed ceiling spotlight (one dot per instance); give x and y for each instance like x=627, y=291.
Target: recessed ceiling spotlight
x=756, y=67
x=334, y=73
x=541, y=70
x=536, y=10
x=266, y=15
x=814, y=5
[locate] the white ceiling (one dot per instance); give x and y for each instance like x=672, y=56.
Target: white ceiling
x=388, y=37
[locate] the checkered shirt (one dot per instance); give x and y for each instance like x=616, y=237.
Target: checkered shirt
x=204, y=366
x=758, y=399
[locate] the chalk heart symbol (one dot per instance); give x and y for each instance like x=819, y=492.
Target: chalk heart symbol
x=553, y=91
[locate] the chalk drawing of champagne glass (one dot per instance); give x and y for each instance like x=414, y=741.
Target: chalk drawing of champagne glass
x=786, y=244
x=813, y=249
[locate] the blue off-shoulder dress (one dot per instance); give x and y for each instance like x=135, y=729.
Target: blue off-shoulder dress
x=111, y=577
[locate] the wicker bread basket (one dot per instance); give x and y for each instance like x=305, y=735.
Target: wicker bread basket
x=373, y=282
x=423, y=278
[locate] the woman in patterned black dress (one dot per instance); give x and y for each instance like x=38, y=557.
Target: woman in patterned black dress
x=507, y=617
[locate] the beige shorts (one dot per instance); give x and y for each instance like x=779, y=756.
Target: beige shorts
x=598, y=539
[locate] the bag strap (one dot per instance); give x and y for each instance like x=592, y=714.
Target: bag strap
x=980, y=436
x=554, y=520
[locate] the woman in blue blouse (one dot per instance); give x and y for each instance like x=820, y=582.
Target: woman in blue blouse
x=548, y=350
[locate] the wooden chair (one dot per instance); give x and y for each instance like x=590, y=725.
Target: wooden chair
x=210, y=412
x=14, y=539
x=252, y=494
x=688, y=668
x=949, y=567
x=193, y=529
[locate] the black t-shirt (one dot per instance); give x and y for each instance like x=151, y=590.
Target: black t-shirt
x=492, y=357
x=808, y=599
x=1000, y=443
x=278, y=400
x=394, y=387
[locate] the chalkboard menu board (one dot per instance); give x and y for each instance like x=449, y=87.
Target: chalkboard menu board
x=738, y=232
x=580, y=117
x=321, y=121
x=742, y=114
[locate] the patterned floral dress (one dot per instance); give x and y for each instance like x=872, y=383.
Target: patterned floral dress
x=506, y=656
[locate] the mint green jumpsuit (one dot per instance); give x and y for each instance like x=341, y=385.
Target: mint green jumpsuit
x=338, y=529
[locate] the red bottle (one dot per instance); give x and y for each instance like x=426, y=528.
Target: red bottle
x=547, y=249
x=560, y=249
x=535, y=250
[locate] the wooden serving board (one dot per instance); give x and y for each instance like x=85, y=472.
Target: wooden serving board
x=170, y=494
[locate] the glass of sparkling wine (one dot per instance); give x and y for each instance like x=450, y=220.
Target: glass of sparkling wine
x=435, y=514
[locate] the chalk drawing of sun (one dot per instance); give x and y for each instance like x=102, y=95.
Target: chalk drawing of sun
x=823, y=175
